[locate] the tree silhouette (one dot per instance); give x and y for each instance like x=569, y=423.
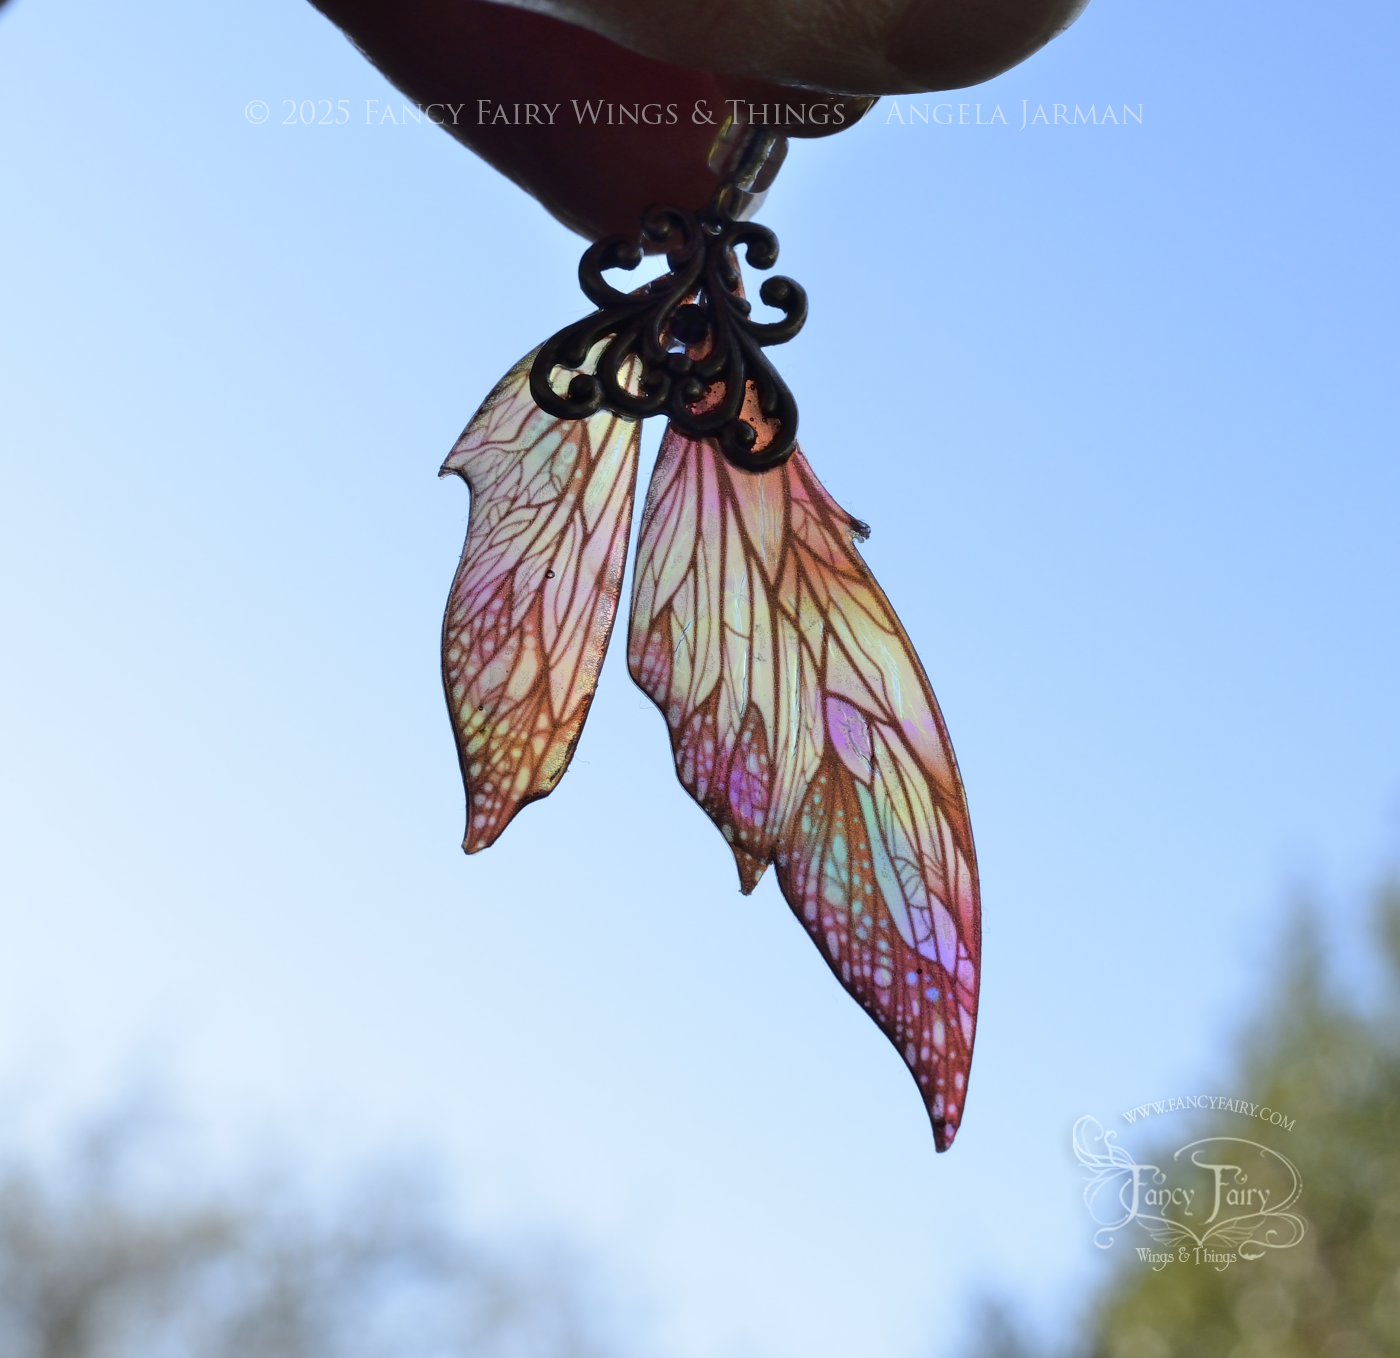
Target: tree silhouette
x=1336, y=1068
x=101, y=1259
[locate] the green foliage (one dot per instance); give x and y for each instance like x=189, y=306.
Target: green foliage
x=1337, y=1294
x=108, y=1253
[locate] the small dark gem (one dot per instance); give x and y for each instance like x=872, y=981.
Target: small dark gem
x=581, y=389
x=549, y=575
x=689, y=323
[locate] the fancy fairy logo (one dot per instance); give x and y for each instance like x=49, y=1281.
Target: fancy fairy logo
x=1218, y=1199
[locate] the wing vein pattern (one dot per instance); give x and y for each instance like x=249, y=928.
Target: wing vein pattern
x=803, y=724
x=535, y=596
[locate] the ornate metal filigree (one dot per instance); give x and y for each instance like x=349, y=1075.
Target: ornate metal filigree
x=701, y=352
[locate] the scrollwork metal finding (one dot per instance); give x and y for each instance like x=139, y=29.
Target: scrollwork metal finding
x=700, y=350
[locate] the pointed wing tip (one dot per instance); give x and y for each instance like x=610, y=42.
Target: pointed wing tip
x=751, y=870
x=475, y=843
x=943, y=1134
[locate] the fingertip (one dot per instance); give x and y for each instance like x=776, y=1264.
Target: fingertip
x=951, y=44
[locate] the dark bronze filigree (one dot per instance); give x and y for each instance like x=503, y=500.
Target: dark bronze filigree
x=700, y=352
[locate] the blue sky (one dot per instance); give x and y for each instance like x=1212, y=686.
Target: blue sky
x=1118, y=401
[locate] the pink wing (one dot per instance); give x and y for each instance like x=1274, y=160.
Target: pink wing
x=802, y=722
x=535, y=597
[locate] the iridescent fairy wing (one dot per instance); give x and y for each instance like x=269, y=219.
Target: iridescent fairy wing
x=802, y=722
x=535, y=596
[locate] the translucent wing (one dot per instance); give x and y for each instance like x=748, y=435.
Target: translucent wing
x=802, y=722
x=535, y=596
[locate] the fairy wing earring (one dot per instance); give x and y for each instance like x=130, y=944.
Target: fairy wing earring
x=799, y=715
